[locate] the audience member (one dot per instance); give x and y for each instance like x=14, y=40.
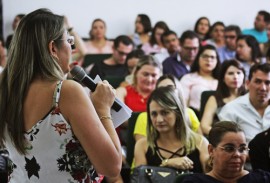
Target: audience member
x=216, y=35
x=131, y=62
x=179, y=63
x=228, y=153
x=115, y=65
x=141, y=122
x=145, y=76
x=98, y=43
x=247, y=51
x=79, y=49
x=202, y=27
x=203, y=76
x=259, y=153
x=231, y=84
x=259, y=30
x=171, y=43
x=227, y=52
x=15, y=24
x=170, y=142
x=40, y=104
x=155, y=44
x=143, y=28
x=252, y=111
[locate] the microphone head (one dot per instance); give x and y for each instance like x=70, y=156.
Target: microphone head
x=78, y=73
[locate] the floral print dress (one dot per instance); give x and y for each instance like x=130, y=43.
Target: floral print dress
x=53, y=154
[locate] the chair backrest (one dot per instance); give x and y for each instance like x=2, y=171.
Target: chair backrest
x=131, y=140
x=115, y=81
x=204, y=97
x=93, y=58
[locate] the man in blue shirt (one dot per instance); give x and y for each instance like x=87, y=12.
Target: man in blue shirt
x=259, y=30
x=179, y=63
x=227, y=52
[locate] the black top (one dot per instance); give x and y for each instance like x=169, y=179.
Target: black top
x=155, y=159
x=260, y=151
x=257, y=176
x=103, y=70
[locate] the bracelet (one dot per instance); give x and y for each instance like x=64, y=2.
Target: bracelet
x=70, y=29
x=105, y=117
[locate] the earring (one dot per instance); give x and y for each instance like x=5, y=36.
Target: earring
x=209, y=164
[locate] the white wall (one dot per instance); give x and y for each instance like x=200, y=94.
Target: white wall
x=120, y=14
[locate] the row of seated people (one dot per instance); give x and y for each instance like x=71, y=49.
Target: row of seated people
x=164, y=149
x=231, y=85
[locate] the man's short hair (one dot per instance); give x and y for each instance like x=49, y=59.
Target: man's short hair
x=235, y=28
x=188, y=35
x=122, y=39
x=166, y=34
x=266, y=16
x=265, y=68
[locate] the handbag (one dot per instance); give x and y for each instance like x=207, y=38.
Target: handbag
x=154, y=174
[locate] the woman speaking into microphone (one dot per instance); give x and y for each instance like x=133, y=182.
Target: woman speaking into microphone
x=50, y=127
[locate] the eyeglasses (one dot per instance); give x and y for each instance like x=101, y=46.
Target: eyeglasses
x=229, y=37
x=122, y=53
x=232, y=149
x=205, y=56
x=70, y=40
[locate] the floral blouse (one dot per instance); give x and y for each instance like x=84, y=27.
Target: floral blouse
x=53, y=154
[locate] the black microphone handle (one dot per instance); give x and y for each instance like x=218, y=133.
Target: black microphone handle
x=87, y=81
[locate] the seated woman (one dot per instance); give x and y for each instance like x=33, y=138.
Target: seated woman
x=248, y=51
x=170, y=142
x=231, y=84
x=228, y=153
x=143, y=29
x=145, y=76
x=202, y=27
x=216, y=35
x=203, y=76
x=98, y=43
x=141, y=122
x=155, y=44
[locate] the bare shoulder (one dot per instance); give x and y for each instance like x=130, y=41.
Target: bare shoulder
x=71, y=88
x=212, y=100
x=121, y=92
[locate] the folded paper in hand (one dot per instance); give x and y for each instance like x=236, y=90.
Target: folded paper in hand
x=122, y=115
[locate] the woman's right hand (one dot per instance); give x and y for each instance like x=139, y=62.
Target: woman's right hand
x=103, y=98
x=183, y=163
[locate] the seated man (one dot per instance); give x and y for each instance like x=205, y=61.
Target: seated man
x=259, y=30
x=251, y=111
x=115, y=65
x=179, y=63
x=259, y=153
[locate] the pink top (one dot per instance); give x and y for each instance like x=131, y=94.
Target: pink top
x=91, y=49
x=193, y=85
x=148, y=49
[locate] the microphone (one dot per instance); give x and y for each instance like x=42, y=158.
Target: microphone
x=78, y=74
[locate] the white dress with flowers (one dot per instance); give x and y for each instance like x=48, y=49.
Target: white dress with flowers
x=53, y=154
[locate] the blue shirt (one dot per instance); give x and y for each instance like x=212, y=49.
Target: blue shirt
x=225, y=54
x=260, y=36
x=173, y=65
